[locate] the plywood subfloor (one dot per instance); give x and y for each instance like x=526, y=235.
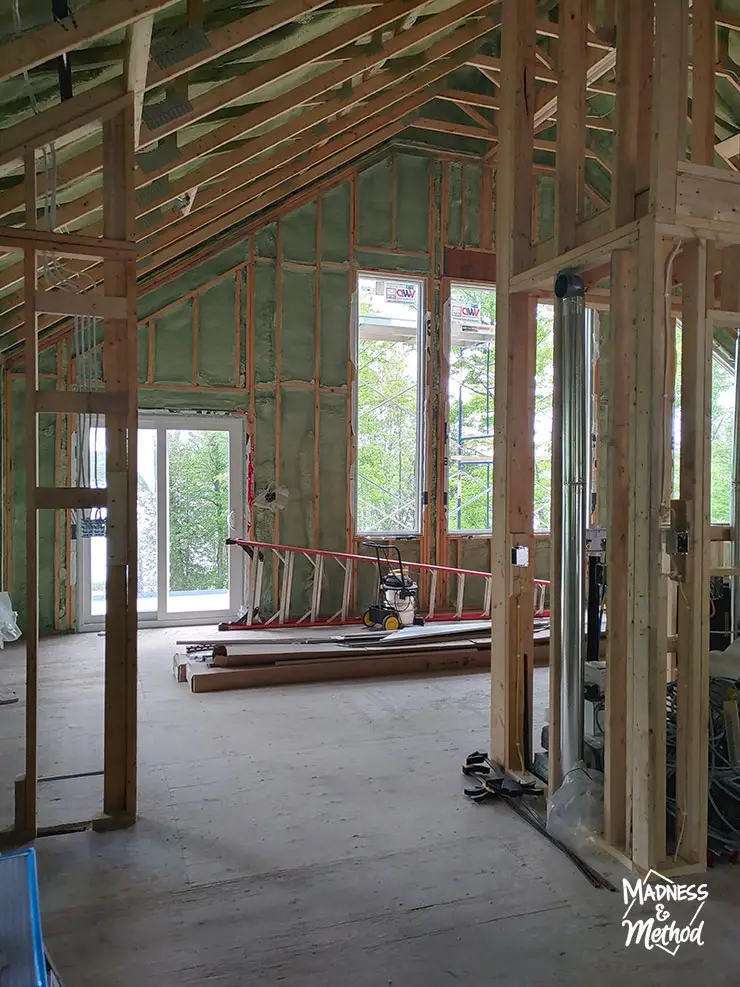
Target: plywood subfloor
x=313, y=835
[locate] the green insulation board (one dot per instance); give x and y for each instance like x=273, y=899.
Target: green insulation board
x=298, y=234
x=335, y=225
x=174, y=345
x=264, y=308
x=298, y=325
x=216, y=363
x=412, y=202
x=375, y=206
x=334, y=336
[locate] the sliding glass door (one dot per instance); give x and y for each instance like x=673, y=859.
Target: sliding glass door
x=189, y=500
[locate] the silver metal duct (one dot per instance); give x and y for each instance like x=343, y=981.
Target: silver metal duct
x=735, y=497
x=575, y=376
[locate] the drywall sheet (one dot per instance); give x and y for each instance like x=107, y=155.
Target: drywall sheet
x=173, y=345
x=374, y=191
x=298, y=325
x=335, y=224
x=264, y=308
x=412, y=202
x=454, y=203
x=297, y=436
x=217, y=334
x=472, y=185
x=193, y=279
x=334, y=329
x=298, y=234
x=380, y=260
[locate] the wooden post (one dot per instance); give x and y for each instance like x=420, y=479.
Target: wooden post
x=703, y=82
x=647, y=585
x=119, y=354
x=693, y=599
x=513, y=483
x=618, y=385
x=26, y=794
x=627, y=111
x=571, y=131
x=669, y=103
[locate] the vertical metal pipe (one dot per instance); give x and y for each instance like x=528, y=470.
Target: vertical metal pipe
x=575, y=367
x=735, y=496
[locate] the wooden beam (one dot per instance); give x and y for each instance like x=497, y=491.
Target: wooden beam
x=669, y=103
x=516, y=331
x=138, y=44
x=73, y=115
x=621, y=345
x=457, y=129
x=70, y=498
x=692, y=698
x=462, y=98
x=43, y=44
x=571, y=133
x=81, y=403
x=703, y=82
x=86, y=303
x=64, y=244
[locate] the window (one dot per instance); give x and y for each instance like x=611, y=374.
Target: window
x=189, y=500
x=543, y=402
x=470, y=415
x=389, y=378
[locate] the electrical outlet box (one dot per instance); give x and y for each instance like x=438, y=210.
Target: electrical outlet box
x=676, y=542
x=520, y=556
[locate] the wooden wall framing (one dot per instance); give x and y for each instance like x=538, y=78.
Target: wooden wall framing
x=118, y=402
x=668, y=220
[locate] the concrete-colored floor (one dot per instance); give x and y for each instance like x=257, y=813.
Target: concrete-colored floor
x=313, y=835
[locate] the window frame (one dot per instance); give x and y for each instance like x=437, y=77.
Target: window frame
x=420, y=464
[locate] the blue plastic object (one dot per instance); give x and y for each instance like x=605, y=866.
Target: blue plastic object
x=22, y=958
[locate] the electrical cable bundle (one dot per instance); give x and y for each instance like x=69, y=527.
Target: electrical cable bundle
x=724, y=777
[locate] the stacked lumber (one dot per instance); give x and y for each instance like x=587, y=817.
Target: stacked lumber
x=282, y=658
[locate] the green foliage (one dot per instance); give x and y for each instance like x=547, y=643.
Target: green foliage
x=387, y=436
x=198, y=468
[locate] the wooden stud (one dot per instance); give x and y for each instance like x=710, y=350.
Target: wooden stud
x=622, y=327
x=26, y=805
x=627, y=115
x=692, y=697
x=703, y=83
x=120, y=374
x=670, y=101
x=317, y=376
x=647, y=586
x=571, y=135
x=516, y=333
